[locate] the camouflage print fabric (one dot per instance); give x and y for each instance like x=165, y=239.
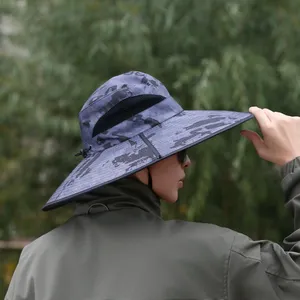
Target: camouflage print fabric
x=139, y=141
x=114, y=91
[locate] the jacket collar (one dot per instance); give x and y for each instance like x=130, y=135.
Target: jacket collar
x=122, y=194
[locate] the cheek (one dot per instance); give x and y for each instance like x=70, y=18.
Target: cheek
x=167, y=188
x=167, y=181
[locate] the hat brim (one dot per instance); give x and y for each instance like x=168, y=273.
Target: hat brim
x=182, y=131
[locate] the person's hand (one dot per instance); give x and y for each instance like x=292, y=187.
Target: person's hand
x=281, y=136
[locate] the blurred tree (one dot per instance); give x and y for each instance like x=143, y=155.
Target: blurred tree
x=211, y=54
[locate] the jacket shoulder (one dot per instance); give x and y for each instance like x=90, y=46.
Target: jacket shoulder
x=44, y=244
x=204, y=233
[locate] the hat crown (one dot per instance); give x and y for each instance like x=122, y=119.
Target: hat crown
x=123, y=107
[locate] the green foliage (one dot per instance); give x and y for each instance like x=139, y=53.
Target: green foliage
x=211, y=54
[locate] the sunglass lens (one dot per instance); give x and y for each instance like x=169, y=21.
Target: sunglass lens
x=182, y=156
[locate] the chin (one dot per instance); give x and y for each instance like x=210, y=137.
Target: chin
x=171, y=198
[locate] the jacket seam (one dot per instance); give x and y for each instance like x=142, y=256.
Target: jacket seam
x=226, y=271
x=281, y=277
x=256, y=259
x=267, y=272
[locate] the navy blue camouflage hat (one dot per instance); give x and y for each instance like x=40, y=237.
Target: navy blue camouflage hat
x=129, y=123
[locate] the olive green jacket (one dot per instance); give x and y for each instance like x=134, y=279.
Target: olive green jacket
x=118, y=247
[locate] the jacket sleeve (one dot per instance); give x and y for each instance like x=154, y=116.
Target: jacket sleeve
x=21, y=286
x=263, y=269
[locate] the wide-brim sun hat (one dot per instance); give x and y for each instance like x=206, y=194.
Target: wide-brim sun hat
x=129, y=123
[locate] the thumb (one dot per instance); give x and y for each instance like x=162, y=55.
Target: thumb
x=256, y=140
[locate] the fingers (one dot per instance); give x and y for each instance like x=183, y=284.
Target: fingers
x=262, y=116
x=280, y=142
x=256, y=140
x=271, y=115
x=268, y=113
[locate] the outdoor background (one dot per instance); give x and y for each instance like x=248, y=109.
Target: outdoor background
x=211, y=54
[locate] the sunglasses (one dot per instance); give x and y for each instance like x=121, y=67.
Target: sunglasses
x=182, y=156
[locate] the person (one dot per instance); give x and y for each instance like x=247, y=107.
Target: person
x=117, y=246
